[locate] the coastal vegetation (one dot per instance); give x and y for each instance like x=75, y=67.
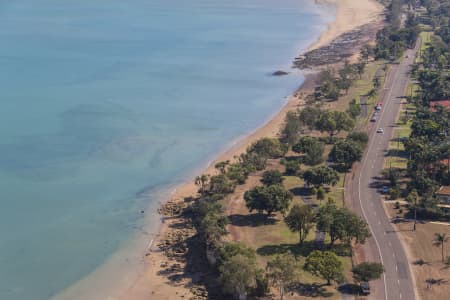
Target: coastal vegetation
x=421, y=140
x=288, y=187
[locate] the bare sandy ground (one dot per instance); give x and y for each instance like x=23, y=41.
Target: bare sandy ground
x=350, y=14
x=147, y=283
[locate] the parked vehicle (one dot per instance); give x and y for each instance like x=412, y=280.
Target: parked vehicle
x=365, y=288
x=385, y=189
x=373, y=119
x=380, y=130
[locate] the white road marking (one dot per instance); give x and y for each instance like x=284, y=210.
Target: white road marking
x=390, y=245
x=400, y=295
x=364, y=162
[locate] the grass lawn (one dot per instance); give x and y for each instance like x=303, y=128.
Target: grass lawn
x=426, y=38
x=360, y=87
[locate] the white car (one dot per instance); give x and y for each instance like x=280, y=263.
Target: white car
x=380, y=130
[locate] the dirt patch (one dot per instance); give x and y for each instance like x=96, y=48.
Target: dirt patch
x=432, y=277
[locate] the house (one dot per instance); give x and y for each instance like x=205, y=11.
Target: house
x=443, y=196
x=444, y=103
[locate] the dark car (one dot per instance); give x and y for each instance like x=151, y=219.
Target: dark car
x=365, y=288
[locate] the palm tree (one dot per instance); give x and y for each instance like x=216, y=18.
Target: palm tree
x=439, y=240
x=201, y=181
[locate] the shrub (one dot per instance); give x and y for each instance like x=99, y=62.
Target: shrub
x=292, y=166
x=394, y=193
x=359, y=137
x=272, y=177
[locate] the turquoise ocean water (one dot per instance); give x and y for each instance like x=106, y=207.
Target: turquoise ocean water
x=104, y=104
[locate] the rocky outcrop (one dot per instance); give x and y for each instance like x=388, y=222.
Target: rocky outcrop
x=339, y=49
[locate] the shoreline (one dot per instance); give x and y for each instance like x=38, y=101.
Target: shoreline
x=147, y=282
x=350, y=14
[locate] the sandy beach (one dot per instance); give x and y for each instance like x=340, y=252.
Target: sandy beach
x=148, y=282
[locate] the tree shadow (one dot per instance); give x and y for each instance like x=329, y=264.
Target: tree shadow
x=432, y=281
x=252, y=220
x=341, y=249
x=301, y=191
x=313, y=290
x=349, y=289
x=296, y=249
x=420, y=262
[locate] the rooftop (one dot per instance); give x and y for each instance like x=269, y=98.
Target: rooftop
x=444, y=190
x=444, y=103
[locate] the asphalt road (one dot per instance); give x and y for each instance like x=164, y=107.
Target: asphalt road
x=384, y=246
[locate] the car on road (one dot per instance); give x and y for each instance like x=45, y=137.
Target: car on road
x=365, y=288
x=385, y=189
x=380, y=130
x=373, y=119
x=378, y=107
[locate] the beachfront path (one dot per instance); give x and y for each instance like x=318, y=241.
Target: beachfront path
x=384, y=245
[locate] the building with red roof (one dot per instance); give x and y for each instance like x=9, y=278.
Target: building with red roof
x=444, y=103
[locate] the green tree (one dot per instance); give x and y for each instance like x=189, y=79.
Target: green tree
x=328, y=84
x=222, y=166
x=413, y=199
x=360, y=66
x=367, y=271
x=359, y=137
x=354, y=109
x=230, y=249
x=268, y=198
x=342, y=224
x=237, y=173
x=321, y=193
x=209, y=221
x=346, y=76
x=325, y=264
x=313, y=149
x=253, y=161
x=202, y=181
x=326, y=220
x=334, y=122
x=283, y=270
x=439, y=240
x=238, y=276
x=220, y=184
x=212, y=228
x=321, y=175
x=268, y=148
x=309, y=115
x=292, y=166
x=303, y=144
x=300, y=219
x=345, y=153
x=272, y=177
x=293, y=128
